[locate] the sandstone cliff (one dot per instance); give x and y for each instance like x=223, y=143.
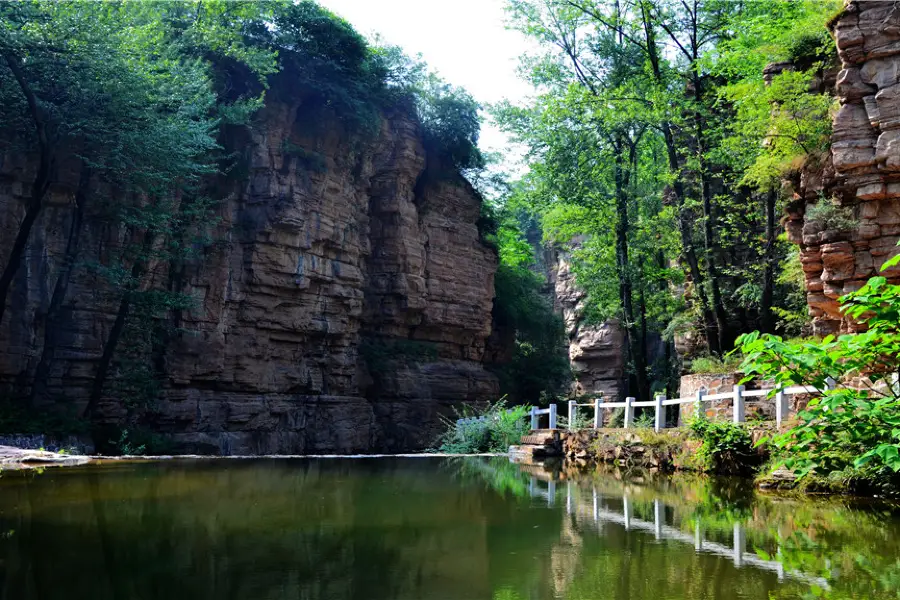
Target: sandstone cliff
x=863, y=170
x=345, y=308
x=596, y=352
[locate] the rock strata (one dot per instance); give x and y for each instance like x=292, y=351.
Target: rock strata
x=862, y=172
x=345, y=309
x=596, y=351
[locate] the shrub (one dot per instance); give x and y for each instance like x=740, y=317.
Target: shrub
x=725, y=447
x=468, y=433
x=645, y=420
x=846, y=433
x=827, y=214
x=584, y=418
x=713, y=365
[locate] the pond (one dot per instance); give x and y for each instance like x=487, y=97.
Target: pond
x=426, y=529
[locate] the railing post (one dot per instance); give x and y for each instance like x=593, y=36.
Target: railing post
x=568, y=497
x=629, y=412
x=534, y=417
x=698, y=403
x=598, y=416
x=551, y=489
x=553, y=416
x=626, y=511
x=780, y=407
x=698, y=537
x=657, y=519
x=738, y=404
x=738, y=549
x=660, y=413
x=573, y=408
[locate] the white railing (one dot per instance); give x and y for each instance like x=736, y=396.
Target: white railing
x=537, y=412
x=738, y=395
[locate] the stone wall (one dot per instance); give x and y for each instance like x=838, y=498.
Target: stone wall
x=863, y=169
x=723, y=410
x=336, y=257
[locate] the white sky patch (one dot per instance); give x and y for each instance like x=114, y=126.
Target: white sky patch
x=464, y=41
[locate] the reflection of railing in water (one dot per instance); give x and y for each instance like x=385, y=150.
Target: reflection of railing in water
x=601, y=513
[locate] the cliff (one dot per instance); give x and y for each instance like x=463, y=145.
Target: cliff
x=596, y=351
x=343, y=308
x=863, y=170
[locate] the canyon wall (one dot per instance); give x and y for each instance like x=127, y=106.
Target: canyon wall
x=344, y=308
x=862, y=172
x=596, y=351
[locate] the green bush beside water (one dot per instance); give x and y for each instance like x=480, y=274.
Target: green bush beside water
x=500, y=428
x=848, y=437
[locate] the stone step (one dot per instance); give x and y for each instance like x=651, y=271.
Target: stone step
x=540, y=437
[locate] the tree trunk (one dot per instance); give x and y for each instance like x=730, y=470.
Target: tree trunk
x=685, y=221
x=709, y=240
x=625, y=285
x=767, y=319
x=38, y=188
x=53, y=320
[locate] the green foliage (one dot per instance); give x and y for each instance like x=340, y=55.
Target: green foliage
x=713, y=365
x=125, y=447
x=450, y=123
x=584, y=418
x=845, y=431
x=828, y=214
x=778, y=126
x=643, y=180
x=495, y=432
x=724, y=446
x=645, y=420
x=793, y=314
x=538, y=364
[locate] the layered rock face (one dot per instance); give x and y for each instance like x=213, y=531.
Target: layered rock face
x=345, y=309
x=596, y=352
x=863, y=171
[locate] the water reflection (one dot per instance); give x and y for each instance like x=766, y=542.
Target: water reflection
x=427, y=530
x=815, y=548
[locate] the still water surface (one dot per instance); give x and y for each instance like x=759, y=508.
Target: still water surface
x=425, y=529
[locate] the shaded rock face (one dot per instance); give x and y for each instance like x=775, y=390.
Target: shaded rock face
x=345, y=309
x=596, y=352
x=863, y=171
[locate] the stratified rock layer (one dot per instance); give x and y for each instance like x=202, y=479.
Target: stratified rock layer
x=863, y=170
x=596, y=351
x=345, y=309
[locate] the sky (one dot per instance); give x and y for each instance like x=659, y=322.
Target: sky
x=464, y=41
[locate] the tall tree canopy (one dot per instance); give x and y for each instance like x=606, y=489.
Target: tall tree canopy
x=656, y=152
